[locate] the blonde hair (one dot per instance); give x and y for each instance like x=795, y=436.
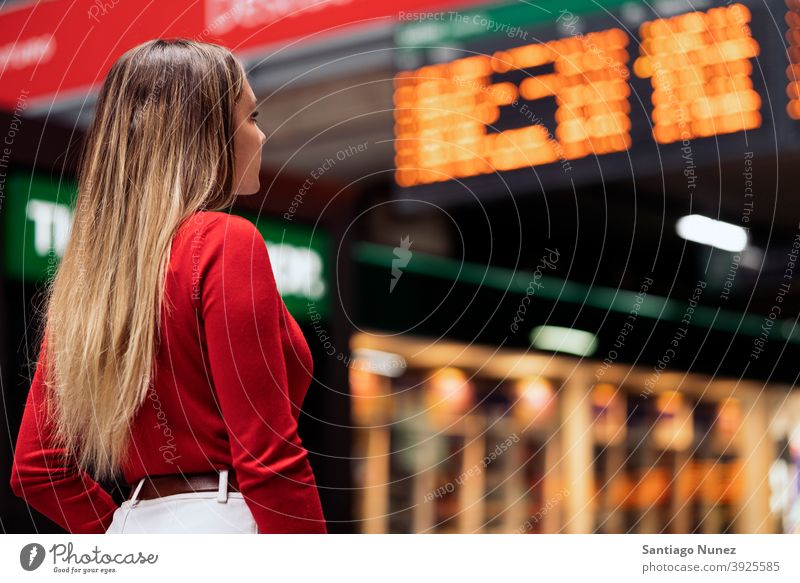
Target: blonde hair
x=160, y=148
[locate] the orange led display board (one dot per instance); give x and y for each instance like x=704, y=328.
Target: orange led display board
x=444, y=112
x=699, y=67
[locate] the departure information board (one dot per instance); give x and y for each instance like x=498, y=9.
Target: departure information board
x=587, y=97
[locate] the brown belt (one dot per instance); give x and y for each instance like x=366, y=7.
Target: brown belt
x=166, y=485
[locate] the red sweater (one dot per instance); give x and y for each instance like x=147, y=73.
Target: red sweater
x=232, y=371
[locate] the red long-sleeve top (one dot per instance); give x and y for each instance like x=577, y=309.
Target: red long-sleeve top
x=231, y=374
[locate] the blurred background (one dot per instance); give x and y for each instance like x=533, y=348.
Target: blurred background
x=544, y=253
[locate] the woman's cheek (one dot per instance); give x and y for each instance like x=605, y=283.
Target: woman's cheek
x=256, y=165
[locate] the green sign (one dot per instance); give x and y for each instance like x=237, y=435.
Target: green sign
x=427, y=30
x=37, y=222
x=38, y=219
x=299, y=261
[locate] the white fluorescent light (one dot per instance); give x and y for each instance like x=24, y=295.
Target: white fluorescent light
x=379, y=362
x=712, y=232
x=558, y=339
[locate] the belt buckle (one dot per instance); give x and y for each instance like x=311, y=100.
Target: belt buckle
x=222, y=495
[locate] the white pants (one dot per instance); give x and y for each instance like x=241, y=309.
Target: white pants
x=219, y=512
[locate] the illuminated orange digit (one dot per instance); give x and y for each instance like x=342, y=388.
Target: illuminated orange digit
x=700, y=71
x=441, y=113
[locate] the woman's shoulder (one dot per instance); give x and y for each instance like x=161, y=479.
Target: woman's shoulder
x=218, y=224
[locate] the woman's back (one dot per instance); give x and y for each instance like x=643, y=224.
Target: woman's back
x=231, y=371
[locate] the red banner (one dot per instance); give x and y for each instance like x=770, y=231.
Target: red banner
x=57, y=49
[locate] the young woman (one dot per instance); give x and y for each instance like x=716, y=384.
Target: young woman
x=167, y=356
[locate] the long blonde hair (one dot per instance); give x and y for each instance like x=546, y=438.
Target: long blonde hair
x=159, y=149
